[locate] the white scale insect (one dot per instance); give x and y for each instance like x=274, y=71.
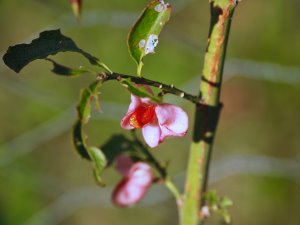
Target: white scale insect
x=150, y=44
x=161, y=6
x=152, y=41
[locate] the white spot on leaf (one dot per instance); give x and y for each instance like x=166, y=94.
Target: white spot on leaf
x=142, y=43
x=161, y=6
x=151, y=43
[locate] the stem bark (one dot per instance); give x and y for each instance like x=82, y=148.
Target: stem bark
x=207, y=112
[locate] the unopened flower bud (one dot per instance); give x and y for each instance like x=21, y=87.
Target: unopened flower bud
x=205, y=212
x=133, y=187
x=76, y=6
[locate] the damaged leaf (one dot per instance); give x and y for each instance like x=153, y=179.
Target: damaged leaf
x=143, y=37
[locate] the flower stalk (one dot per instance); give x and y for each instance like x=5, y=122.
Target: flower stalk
x=159, y=168
x=207, y=112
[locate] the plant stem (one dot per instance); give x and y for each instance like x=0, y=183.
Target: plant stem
x=207, y=113
x=167, y=89
x=139, y=69
x=171, y=186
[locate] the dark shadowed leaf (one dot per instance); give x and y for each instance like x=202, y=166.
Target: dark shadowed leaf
x=79, y=141
x=64, y=70
x=48, y=43
x=118, y=144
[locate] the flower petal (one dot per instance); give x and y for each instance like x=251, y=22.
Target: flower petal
x=151, y=133
x=127, y=193
x=134, y=186
x=125, y=122
x=141, y=174
x=135, y=102
x=172, y=120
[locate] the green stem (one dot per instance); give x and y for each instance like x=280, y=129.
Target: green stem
x=105, y=67
x=139, y=69
x=207, y=113
x=173, y=189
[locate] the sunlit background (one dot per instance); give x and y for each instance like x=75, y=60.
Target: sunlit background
x=256, y=156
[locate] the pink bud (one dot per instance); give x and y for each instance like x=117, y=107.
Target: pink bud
x=123, y=164
x=133, y=187
x=76, y=6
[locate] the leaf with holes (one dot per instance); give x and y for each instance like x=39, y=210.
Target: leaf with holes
x=48, y=43
x=143, y=37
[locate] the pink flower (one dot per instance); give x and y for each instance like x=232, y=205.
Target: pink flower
x=135, y=183
x=157, y=121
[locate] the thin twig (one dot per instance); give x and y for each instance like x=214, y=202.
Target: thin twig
x=167, y=89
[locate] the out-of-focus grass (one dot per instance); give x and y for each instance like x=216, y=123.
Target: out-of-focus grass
x=259, y=117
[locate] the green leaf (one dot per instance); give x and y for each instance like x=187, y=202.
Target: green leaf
x=88, y=152
x=226, y=216
x=211, y=197
x=225, y=202
x=84, y=106
x=48, y=43
x=139, y=91
x=65, y=71
x=143, y=37
x=91, y=153
x=79, y=141
x=84, y=113
x=118, y=144
x=99, y=163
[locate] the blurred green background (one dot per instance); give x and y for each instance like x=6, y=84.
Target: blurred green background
x=256, y=157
